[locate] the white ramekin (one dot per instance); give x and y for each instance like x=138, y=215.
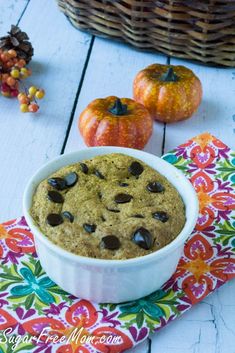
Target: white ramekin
x=111, y=281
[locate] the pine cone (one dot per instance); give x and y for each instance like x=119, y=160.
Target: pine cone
x=19, y=41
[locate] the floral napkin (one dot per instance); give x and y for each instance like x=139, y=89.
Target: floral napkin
x=34, y=310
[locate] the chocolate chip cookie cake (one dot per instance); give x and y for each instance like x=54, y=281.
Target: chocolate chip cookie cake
x=109, y=207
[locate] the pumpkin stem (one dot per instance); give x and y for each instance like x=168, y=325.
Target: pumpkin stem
x=118, y=108
x=169, y=76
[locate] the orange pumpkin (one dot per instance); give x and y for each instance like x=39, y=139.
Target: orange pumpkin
x=170, y=93
x=115, y=122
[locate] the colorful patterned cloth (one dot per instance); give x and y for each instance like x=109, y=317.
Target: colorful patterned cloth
x=30, y=303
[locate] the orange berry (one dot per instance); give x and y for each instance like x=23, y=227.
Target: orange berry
x=11, y=81
x=21, y=94
x=12, y=53
x=5, y=57
x=22, y=98
x=21, y=63
x=33, y=107
x=9, y=63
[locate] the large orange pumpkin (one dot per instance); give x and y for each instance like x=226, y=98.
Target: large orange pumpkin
x=115, y=122
x=170, y=93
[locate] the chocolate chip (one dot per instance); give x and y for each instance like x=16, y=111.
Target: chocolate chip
x=143, y=238
x=68, y=215
x=100, y=195
x=122, y=198
x=89, y=228
x=84, y=168
x=155, y=187
x=54, y=219
x=99, y=174
x=136, y=168
x=110, y=242
x=112, y=210
x=123, y=184
x=55, y=196
x=71, y=179
x=57, y=183
x=160, y=216
x=103, y=219
x=138, y=216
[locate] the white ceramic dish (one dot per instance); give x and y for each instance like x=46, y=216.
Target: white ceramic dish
x=111, y=281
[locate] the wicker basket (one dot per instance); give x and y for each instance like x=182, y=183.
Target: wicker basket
x=193, y=29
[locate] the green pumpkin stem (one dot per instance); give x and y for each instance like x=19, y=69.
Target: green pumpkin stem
x=118, y=108
x=169, y=76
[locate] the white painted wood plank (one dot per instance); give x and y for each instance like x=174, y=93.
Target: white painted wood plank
x=111, y=71
x=186, y=339
x=10, y=12
x=222, y=304
x=140, y=348
x=28, y=141
x=188, y=334
x=208, y=327
x=217, y=111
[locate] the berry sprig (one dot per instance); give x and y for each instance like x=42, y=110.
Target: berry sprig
x=28, y=102
x=13, y=71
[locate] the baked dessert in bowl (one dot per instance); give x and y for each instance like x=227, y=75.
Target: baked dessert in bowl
x=110, y=222
x=111, y=206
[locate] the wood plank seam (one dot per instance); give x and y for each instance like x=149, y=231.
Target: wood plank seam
x=77, y=94
x=168, y=61
x=149, y=345
x=163, y=139
x=23, y=12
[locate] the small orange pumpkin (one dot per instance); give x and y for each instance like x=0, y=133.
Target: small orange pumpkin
x=115, y=122
x=170, y=93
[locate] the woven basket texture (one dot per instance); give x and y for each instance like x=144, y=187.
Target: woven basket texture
x=201, y=30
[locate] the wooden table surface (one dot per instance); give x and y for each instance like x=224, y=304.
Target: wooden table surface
x=74, y=68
